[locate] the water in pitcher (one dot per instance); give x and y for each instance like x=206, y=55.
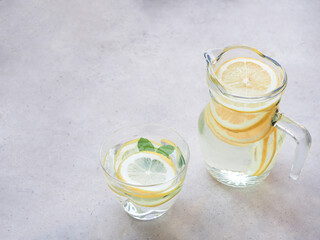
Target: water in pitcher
x=239, y=143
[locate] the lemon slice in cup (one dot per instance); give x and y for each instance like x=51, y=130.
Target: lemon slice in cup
x=128, y=149
x=147, y=168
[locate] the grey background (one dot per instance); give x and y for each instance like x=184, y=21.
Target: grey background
x=73, y=71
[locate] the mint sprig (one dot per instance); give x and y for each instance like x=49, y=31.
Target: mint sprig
x=145, y=145
x=181, y=162
x=165, y=150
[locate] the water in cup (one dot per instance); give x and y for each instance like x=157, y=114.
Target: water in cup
x=145, y=166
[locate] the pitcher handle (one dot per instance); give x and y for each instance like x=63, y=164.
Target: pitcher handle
x=301, y=136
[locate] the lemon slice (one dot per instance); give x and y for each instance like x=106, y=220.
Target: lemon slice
x=234, y=120
x=247, y=77
x=128, y=149
x=147, y=168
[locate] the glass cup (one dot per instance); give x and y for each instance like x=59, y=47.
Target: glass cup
x=240, y=136
x=145, y=166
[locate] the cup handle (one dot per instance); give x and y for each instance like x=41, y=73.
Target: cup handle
x=301, y=136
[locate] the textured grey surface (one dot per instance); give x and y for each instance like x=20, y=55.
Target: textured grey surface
x=73, y=71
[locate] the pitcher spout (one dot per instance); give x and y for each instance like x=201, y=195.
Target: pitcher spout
x=216, y=57
x=213, y=55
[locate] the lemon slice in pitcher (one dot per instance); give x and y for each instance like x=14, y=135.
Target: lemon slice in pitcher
x=234, y=120
x=247, y=77
x=147, y=168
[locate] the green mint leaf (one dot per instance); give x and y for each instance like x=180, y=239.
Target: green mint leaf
x=145, y=145
x=165, y=150
x=181, y=162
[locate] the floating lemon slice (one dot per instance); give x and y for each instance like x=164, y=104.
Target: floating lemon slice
x=247, y=77
x=234, y=120
x=128, y=149
x=147, y=168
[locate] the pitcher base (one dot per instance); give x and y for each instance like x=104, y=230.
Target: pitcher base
x=236, y=179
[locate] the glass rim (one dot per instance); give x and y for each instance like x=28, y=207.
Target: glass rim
x=104, y=155
x=224, y=92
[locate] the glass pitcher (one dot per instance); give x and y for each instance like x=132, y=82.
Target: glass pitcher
x=240, y=136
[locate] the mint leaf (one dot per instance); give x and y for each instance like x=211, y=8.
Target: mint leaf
x=165, y=150
x=145, y=145
x=181, y=162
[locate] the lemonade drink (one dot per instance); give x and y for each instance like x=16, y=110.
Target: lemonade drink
x=145, y=174
x=238, y=141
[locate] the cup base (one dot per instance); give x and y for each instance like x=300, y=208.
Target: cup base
x=144, y=213
x=236, y=179
x=141, y=213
